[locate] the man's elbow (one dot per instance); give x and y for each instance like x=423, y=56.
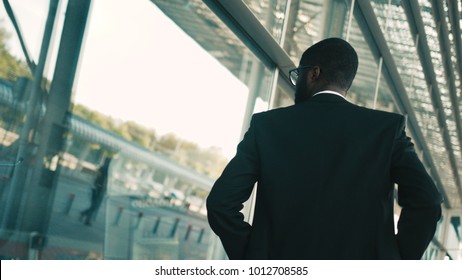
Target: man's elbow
x=212, y=203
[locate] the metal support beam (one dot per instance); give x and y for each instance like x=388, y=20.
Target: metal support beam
x=334, y=18
x=237, y=16
x=377, y=84
x=374, y=36
x=454, y=19
x=350, y=19
x=290, y=19
x=285, y=25
x=40, y=191
x=416, y=25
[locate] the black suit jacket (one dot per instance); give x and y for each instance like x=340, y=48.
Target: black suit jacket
x=325, y=170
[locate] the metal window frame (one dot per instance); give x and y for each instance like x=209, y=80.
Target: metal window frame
x=240, y=19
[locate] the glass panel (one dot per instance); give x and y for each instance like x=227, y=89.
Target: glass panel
x=282, y=98
x=166, y=96
x=31, y=22
x=454, y=237
x=271, y=14
x=362, y=91
x=21, y=112
x=303, y=28
x=385, y=100
x=157, y=192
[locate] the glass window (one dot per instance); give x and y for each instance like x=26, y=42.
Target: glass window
x=194, y=80
x=365, y=90
x=454, y=237
x=21, y=108
x=158, y=108
x=282, y=96
x=312, y=20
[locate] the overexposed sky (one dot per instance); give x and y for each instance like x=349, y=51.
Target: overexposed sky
x=136, y=64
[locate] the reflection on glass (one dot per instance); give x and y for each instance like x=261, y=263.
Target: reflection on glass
x=362, y=91
x=22, y=230
x=312, y=20
x=282, y=98
x=159, y=184
x=303, y=28
x=271, y=14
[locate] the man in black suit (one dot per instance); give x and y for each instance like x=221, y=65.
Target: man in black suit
x=326, y=171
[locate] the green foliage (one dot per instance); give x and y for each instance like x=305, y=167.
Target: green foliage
x=10, y=67
x=168, y=142
x=9, y=117
x=139, y=134
x=206, y=161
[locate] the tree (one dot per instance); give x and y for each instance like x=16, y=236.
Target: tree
x=139, y=134
x=168, y=143
x=10, y=67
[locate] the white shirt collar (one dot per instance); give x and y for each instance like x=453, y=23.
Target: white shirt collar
x=329, y=92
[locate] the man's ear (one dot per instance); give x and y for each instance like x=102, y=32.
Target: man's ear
x=315, y=73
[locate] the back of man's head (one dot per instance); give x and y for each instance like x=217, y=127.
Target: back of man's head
x=336, y=58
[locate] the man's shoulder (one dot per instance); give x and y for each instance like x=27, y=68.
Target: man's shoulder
x=379, y=112
x=375, y=113
x=277, y=113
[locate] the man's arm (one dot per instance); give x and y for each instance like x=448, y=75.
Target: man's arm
x=229, y=193
x=418, y=197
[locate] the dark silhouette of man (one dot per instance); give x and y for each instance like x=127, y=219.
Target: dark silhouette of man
x=326, y=170
x=98, y=192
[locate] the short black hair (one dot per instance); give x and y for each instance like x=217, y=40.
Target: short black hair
x=337, y=59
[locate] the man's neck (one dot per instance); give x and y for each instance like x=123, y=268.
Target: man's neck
x=329, y=92
x=333, y=88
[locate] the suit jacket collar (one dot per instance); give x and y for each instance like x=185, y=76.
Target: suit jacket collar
x=327, y=98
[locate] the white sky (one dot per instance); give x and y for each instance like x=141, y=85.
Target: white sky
x=138, y=65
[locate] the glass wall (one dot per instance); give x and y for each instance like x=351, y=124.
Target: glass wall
x=142, y=99
x=117, y=117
